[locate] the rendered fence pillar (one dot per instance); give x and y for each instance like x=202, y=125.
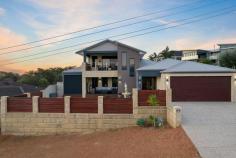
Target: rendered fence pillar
x=168, y=97
x=83, y=87
x=3, y=105
x=100, y=105
x=135, y=100
x=67, y=104
x=35, y=102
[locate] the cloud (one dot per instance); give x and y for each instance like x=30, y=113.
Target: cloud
x=191, y=43
x=2, y=11
x=8, y=37
x=66, y=16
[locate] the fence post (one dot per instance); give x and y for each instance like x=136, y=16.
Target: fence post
x=135, y=100
x=3, y=105
x=168, y=96
x=35, y=101
x=67, y=104
x=100, y=105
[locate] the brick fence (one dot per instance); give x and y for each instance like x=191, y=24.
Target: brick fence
x=41, y=116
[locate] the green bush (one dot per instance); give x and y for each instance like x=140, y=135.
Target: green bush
x=152, y=100
x=151, y=121
x=141, y=122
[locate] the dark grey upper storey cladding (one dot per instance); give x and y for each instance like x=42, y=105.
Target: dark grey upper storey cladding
x=125, y=73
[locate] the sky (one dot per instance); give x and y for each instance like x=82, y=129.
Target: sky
x=23, y=21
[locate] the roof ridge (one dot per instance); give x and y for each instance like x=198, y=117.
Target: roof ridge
x=180, y=63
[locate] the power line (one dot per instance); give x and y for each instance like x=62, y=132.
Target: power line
x=105, y=30
x=99, y=26
x=127, y=33
x=186, y=23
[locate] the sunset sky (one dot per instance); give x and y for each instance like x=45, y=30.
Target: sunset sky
x=23, y=21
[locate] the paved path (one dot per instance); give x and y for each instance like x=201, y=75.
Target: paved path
x=211, y=127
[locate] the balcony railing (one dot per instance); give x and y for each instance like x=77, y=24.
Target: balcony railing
x=110, y=67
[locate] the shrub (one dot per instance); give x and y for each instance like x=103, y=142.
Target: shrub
x=159, y=121
x=141, y=122
x=152, y=100
x=151, y=121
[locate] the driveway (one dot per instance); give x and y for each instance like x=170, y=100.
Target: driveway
x=211, y=127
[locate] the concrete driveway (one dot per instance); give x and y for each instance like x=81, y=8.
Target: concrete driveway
x=211, y=127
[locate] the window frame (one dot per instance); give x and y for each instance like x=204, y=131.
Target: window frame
x=123, y=67
x=131, y=67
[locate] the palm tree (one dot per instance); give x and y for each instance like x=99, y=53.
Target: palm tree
x=164, y=54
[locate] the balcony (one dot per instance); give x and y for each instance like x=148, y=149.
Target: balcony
x=106, y=67
x=194, y=57
x=213, y=57
x=99, y=71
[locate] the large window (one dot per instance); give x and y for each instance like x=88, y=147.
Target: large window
x=148, y=83
x=131, y=67
x=123, y=60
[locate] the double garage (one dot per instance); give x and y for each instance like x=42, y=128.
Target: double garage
x=201, y=88
x=192, y=81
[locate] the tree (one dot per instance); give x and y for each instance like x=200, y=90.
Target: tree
x=228, y=59
x=164, y=54
x=43, y=77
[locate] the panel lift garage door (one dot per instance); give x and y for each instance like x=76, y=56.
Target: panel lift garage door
x=201, y=88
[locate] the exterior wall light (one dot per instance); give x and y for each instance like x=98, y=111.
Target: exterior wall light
x=167, y=80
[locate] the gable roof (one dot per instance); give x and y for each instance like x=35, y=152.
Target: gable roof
x=161, y=65
x=177, y=66
x=190, y=66
x=109, y=41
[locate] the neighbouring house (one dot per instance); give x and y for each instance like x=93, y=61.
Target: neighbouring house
x=109, y=65
x=195, y=55
x=227, y=46
x=9, y=87
x=177, y=54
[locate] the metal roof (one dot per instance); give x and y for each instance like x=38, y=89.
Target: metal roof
x=161, y=65
x=74, y=71
x=177, y=66
x=11, y=90
x=190, y=66
x=110, y=41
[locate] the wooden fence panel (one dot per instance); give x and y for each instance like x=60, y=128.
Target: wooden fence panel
x=84, y=105
x=51, y=105
x=19, y=104
x=38, y=93
x=144, y=94
x=117, y=106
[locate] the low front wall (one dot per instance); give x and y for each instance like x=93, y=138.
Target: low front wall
x=38, y=123
x=19, y=123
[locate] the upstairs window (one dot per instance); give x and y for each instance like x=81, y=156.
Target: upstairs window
x=131, y=67
x=123, y=60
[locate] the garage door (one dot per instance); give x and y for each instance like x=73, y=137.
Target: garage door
x=72, y=84
x=201, y=88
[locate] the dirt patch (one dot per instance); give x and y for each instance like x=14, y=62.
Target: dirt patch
x=129, y=142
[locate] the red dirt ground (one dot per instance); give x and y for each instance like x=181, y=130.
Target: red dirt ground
x=133, y=142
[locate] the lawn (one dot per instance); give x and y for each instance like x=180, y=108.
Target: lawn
x=135, y=142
